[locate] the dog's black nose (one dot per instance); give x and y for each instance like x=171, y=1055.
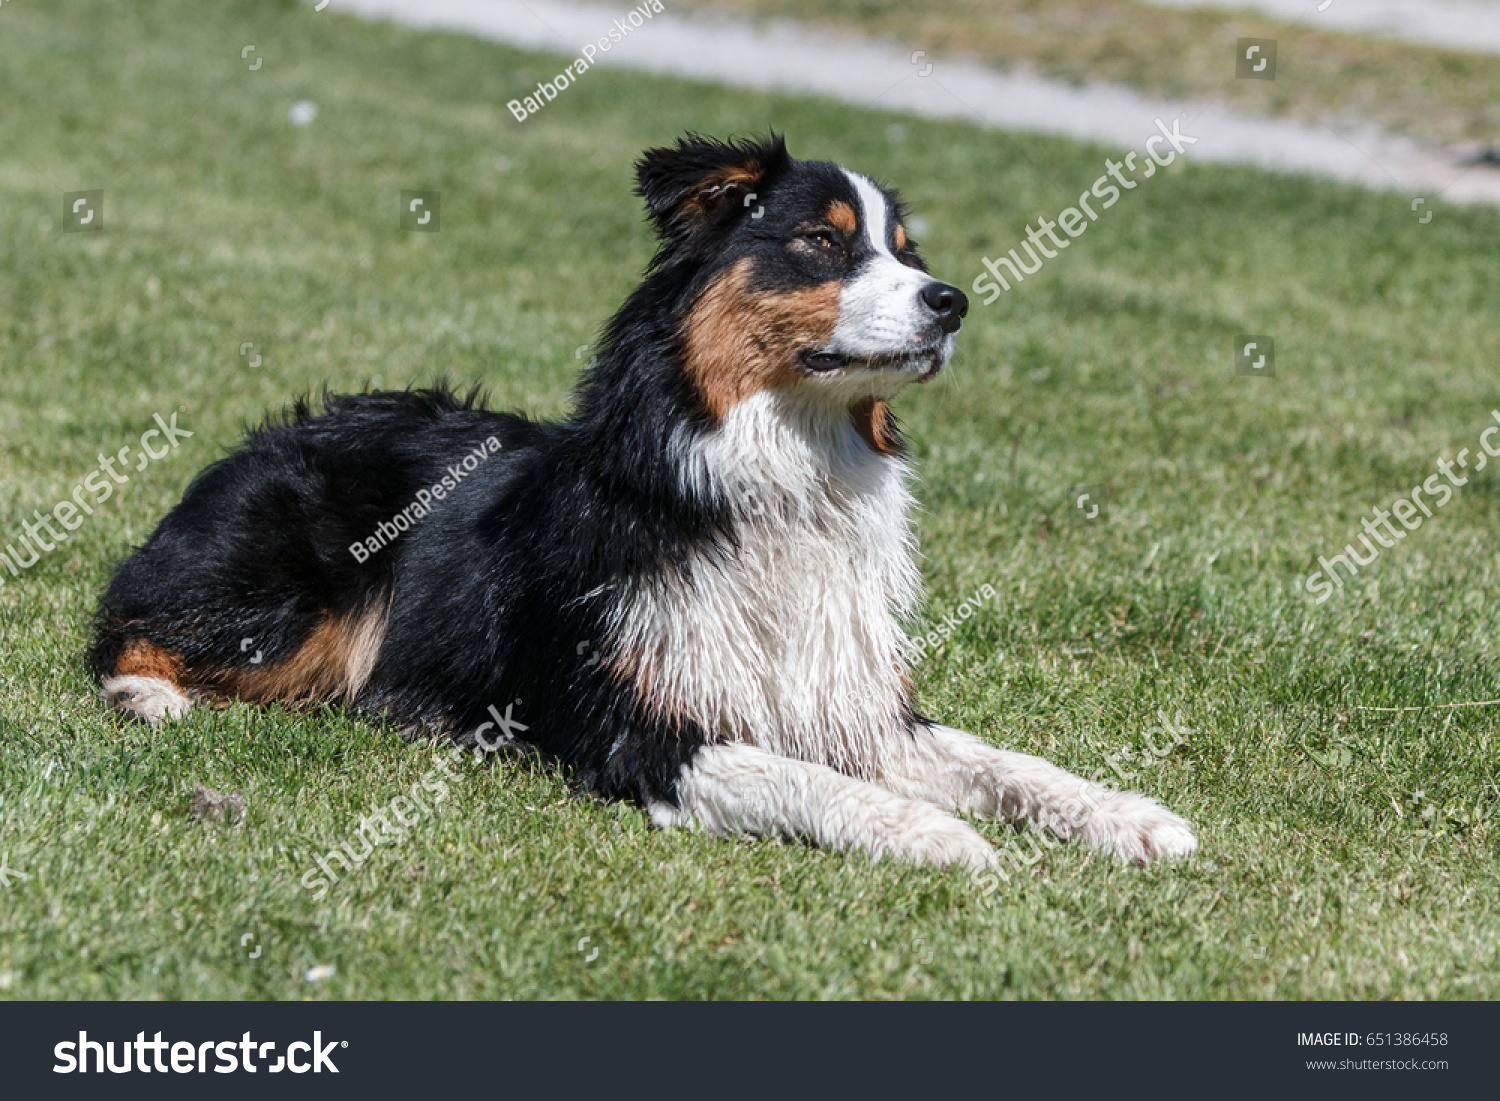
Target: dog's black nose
x=948, y=302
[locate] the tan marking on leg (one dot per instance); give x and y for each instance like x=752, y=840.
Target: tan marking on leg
x=146, y=683
x=737, y=342
x=141, y=658
x=333, y=664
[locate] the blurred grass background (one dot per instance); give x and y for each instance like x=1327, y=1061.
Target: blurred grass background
x=1344, y=80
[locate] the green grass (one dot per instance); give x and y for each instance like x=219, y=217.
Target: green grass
x=1319, y=875
x=1438, y=96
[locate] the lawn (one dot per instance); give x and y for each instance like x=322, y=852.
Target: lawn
x=1435, y=95
x=1346, y=853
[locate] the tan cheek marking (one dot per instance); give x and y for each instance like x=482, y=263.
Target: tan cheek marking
x=737, y=342
x=872, y=420
x=841, y=216
x=334, y=663
x=900, y=237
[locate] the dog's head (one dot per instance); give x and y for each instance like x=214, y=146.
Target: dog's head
x=792, y=274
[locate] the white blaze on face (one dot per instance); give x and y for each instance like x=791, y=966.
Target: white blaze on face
x=880, y=311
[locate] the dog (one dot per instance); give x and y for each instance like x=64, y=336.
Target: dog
x=689, y=595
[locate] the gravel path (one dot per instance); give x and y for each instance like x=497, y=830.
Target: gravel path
x=1470, y=25
x=792, y=58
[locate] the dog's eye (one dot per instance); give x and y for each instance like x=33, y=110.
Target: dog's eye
x=822, y=239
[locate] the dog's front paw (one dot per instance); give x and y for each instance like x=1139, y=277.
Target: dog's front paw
x=1138, y=830
x=929, y=836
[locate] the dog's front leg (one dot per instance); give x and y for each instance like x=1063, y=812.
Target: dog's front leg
x=742, y=789
x=954, y=769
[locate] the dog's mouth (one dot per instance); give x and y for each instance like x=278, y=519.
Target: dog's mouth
x=922, y=362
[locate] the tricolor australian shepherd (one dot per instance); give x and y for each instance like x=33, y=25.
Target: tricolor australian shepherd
x=690, y=594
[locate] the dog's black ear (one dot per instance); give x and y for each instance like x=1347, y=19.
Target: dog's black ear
x=699, y=180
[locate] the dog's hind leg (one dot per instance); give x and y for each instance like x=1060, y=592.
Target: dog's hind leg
x=145, y=682
x=956, y=770
x=741, y=789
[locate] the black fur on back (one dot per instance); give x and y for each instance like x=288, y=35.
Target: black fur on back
x=499, y=597
x=496, y=598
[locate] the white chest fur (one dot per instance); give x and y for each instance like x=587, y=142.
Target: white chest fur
x=791, y=642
